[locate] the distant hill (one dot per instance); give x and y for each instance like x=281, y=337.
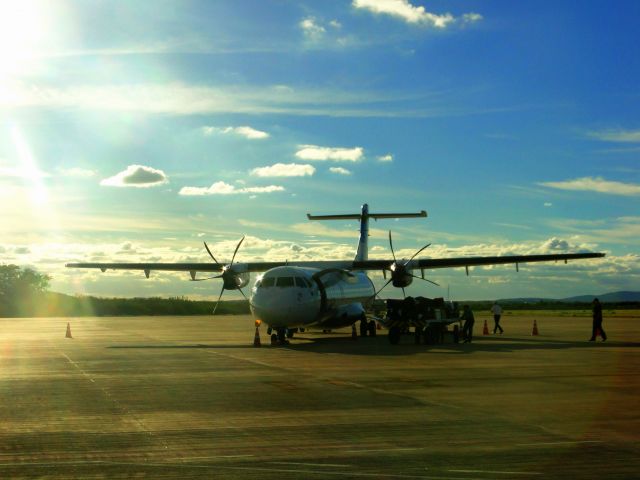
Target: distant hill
x=607, y=297
x=613, y=297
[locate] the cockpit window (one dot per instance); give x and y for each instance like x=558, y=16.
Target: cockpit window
x=267, y=282
x=300, y=282
x=285, y=282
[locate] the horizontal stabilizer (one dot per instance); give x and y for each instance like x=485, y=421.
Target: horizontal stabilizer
x=375, y=216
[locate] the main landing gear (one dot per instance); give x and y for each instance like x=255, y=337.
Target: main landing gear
x=279, y=337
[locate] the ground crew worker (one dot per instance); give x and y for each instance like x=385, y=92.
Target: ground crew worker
x=469, y=320
x=497, y=313
x=597, y=322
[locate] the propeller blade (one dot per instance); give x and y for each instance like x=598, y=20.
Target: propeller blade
x=426, y=280
x=210, y=254
x=416, y=254
x=236, y=251
x=391, y=245
x=404, y=294
x=388, y=282
x=245, y=297
x=219, y=297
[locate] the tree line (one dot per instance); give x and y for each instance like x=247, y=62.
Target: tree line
x=24, y=293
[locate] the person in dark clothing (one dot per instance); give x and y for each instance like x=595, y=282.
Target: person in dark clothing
x=469, y=320
x=497, y=313
x=597, y=322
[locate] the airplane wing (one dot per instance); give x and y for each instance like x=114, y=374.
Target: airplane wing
x=239, y=267
x=432, y=263
x=426, y=264
x=175, y=267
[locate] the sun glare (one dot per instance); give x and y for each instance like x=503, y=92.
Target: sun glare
x=22, y=31
x=28, y=169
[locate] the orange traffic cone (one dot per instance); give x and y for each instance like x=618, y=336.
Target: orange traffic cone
x=354, y=334
x=485, y=330
x=256, y=338
x=535, y=328
x=68, y=335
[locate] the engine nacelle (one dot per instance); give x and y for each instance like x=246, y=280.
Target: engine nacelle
x=401, y=276
x=234, y=279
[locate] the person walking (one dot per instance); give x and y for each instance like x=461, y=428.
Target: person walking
x=469, y=320
x=597, y=322
x=497, y=313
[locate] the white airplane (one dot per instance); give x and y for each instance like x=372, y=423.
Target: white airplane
x=323, y=294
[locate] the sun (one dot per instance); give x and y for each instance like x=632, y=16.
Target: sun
x=22, y=34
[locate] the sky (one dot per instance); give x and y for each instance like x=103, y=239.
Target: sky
x=134, y=131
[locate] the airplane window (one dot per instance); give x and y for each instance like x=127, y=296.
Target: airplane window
x=285, y=282
x=300, y=282
x=268, y=282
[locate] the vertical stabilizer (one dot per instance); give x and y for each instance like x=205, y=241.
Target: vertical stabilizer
x=362, y=253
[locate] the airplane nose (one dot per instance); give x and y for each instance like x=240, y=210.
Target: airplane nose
x=267, y=308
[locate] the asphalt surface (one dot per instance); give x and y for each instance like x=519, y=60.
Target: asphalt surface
x=190, y=397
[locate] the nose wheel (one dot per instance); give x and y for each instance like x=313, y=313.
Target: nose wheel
x=279, y=337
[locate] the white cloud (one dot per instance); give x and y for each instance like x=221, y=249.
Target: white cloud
x=556, y=244
x=622, y=230
x=340, y=171
x=244, y=131
x=471, y=17
x=337, y=154
x=284, y=170
x=222, y=188
x=406, y=11
x=186, y=99
x=385, y=158
x=138, y=176
x=596, y=184
x=311, y=29
x=548, y=204
x=616, y=135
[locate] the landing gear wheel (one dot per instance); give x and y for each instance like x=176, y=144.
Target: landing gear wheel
x=282, y=336
x=363, y=326
x=372, y=328
x=274, y=339
x=290, y=332
x=394, y=335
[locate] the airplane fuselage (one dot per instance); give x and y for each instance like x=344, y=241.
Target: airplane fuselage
x=302, y=297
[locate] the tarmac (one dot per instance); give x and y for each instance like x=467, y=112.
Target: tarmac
x=190, y=397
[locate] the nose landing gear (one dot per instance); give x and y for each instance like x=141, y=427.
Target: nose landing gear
x=279, y=337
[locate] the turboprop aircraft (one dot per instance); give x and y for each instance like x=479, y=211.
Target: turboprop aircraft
x=323, y=294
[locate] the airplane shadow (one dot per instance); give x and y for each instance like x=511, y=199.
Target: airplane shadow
x=181, y=347
x=379, y=346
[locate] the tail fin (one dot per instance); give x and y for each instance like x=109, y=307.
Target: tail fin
x=363, y=244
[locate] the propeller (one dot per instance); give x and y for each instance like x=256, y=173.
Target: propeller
x=401, y=275
x=231, y=280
